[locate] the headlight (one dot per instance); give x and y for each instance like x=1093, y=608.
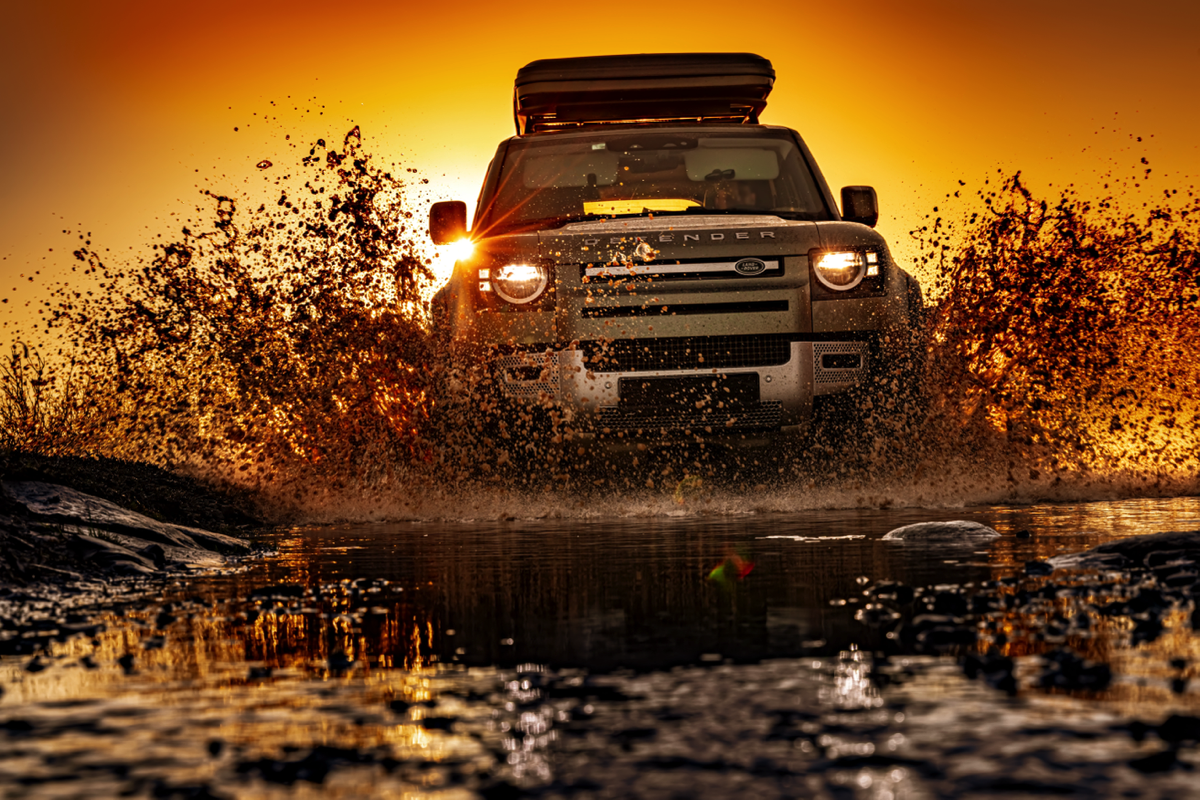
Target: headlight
x=516, y=283
x=843, y=270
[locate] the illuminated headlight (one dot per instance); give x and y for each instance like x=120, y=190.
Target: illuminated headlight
x=843, y=270
x=516, y=283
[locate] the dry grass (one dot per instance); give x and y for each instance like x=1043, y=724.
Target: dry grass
x=47, y=409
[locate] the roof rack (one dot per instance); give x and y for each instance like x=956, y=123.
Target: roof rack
x=565, y=93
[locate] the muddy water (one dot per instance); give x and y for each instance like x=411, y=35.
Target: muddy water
x=637, y=592
x=651, y=656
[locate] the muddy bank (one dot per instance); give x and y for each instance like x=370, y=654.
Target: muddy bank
x=66, y=520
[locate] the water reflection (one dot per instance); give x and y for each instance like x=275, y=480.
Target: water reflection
x=444, y=659
x=641, y=593
x=852, y=687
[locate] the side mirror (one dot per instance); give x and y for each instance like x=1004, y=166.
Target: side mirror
x=859, y=204
x=448, y=222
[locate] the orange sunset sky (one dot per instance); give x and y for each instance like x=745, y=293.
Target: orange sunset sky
x=115, y=113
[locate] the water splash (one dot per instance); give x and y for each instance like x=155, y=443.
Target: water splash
x=1062, y=341
x=286, y=350
x=267, y=348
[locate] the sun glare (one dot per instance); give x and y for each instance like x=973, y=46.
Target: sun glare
x=461, y=249
x=446, y=256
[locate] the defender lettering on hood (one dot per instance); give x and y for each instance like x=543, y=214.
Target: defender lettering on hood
x=684, y=238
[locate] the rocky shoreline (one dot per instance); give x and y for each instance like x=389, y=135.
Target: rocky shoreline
x=67, y=520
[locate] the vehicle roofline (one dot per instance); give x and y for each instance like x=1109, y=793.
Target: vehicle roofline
x=592, y=130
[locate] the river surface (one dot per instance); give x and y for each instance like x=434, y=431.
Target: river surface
x=691, y=655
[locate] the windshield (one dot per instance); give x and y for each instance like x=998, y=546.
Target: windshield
x=546, y=181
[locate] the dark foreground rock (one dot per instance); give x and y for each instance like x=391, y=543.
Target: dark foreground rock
x=67, y=520
x=143, y=488
x=1151, y=551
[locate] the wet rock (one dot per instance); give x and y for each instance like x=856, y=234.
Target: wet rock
x=16, y=726
x=1160, y=558
x=339, y=662
x=948, y=603
x=936, y=631
x=1155, y=762
x=894, y=592
x=1150, y=600
x=110, y=555
x=1065, y=670
x=63, y=505
x=1151, y=550
x=942, y=532
x=1146, y=630
x=144, y=488
x=586, y=690
x=874, y=615
x=1179, y=580
x=313, y=767
x=1180, y=728
x=923, y=622
x=437, y=723
x=1138, y=730
x=626, y=738
x=185, y=791
x=996, y=671
x=947, y=637
x=501, y=790
x=155, y=554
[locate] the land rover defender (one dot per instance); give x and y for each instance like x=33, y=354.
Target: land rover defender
x=654, y=264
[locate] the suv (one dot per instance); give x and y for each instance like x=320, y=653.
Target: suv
x=652, y=264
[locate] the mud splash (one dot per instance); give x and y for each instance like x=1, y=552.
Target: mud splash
x=268, y=347
x=1062, y=342
x=286, y=349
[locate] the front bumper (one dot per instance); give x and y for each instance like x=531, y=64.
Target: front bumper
x=698, y=402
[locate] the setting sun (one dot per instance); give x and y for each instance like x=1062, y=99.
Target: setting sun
x=461, y=250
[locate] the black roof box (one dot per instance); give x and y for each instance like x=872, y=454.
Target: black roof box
x=563, y=93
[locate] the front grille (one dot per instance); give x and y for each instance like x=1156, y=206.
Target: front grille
x=651, y=421
x=692, y=352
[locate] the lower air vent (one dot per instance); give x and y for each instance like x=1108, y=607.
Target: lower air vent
x=528, y=375
x=838, y=365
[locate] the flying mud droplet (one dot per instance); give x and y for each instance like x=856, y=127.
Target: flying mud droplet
x=264, y=164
